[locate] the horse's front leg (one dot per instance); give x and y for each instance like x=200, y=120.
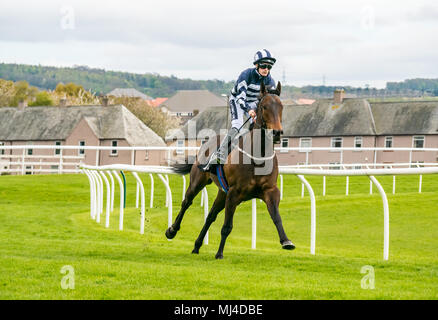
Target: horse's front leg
x=272, y=200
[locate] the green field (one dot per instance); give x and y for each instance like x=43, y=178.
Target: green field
x=45, y=224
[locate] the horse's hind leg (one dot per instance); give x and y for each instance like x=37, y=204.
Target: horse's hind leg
x=272, y=200
x=218, y=206
x=232, y=201
x=198, y=180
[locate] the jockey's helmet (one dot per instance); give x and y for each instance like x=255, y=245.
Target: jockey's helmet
x=264, y=56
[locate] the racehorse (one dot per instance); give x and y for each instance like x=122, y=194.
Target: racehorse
x=243, y=183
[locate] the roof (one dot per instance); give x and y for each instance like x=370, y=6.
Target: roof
x=190, y=100
x=305, y=101
x=57, y=123
x=400, y=118
x=214, y=118
x=128, y=92
x=324, y=118
x=157, y=101
x=354, y=117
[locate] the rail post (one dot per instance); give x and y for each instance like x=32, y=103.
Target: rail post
x=122, y=201
x=385, y=218
x=142, y=208
x=312, y=214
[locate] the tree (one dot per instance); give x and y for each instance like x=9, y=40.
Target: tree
x=23, y=92
x=156, y=120
x=43, y=98
x=7, y=91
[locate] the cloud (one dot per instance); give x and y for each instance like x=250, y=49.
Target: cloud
x=370, y=40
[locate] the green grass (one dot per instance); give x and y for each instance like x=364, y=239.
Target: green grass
x=45, y=224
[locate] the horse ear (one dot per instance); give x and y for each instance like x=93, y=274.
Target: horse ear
x=278, y=89
x=263, y=91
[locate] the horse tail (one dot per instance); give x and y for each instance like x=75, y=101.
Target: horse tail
x=183, y=168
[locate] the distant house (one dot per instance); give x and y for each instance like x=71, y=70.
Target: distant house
x=112, y=126
x=128, y=92
x=187, y=103
x=337, y=123
x=406, y=124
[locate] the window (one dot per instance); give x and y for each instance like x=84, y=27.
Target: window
x=336, y=142
x=29, y=151
x=388, y=142
x=82, y=151
x=2, y=151
x=114, y=144
x=334, y=166
x=305, y=142
x=180, y=144
x=418, y=142
x=57, y=151
x=417, y=164
x=358, y=141
x=29, y=170
x=284, y=144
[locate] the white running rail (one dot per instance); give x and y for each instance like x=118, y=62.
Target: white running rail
x=96, y=192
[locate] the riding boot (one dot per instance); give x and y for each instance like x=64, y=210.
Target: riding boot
x=221, y=154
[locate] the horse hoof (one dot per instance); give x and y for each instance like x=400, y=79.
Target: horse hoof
x=195, y=251
x=170, y=233
x=219, y=256
x=288, y=245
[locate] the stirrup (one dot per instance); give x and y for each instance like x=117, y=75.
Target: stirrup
x=210, y=164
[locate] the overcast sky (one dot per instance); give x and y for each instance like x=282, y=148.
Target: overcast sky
x=350, y=42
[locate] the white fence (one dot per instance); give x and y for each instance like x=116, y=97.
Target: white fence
x=96, y=176
x=24, y=163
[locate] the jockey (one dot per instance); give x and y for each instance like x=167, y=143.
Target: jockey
x=243, y=101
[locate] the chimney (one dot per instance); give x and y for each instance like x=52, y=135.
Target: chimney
x=338, y=96
x=22, y=104
x=63, y=102
x=105, y=101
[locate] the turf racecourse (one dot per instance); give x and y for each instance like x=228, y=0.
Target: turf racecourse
x=45, y=224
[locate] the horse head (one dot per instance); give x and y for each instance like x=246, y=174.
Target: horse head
x=269, y=111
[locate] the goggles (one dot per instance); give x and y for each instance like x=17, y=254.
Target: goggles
x=265, y=66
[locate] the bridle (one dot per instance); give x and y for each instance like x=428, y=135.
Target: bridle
x=262, y=126
x=260, y=107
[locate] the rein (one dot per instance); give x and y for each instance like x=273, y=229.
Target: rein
x=256, y=158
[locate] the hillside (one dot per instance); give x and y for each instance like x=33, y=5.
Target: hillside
x=155, y=85
x=102, y=81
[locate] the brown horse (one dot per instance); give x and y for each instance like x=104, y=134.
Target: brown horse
x=243, y=183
